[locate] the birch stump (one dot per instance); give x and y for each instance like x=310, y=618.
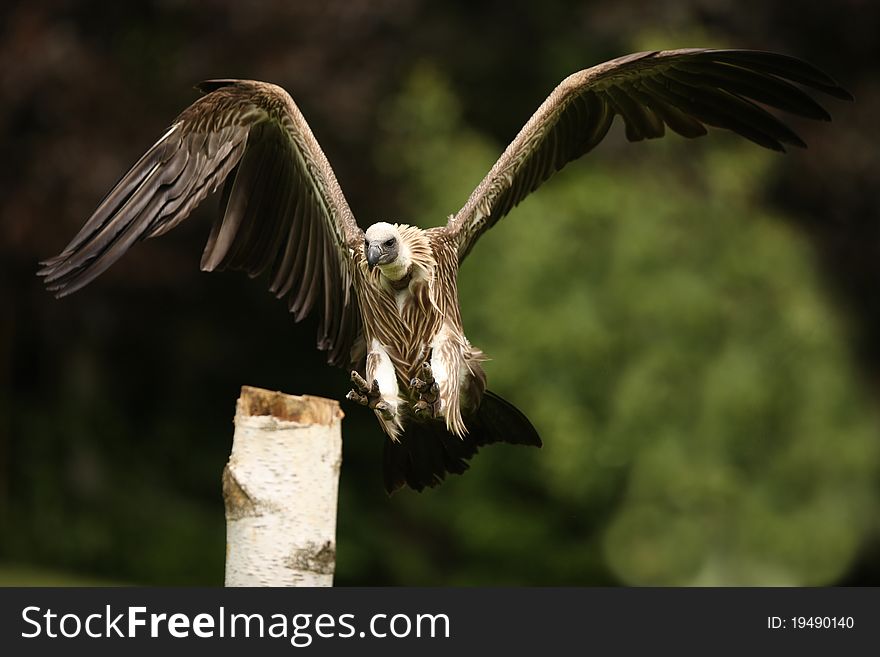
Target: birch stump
x=280, y=489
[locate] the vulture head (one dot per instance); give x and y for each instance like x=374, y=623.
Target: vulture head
x=384, y=248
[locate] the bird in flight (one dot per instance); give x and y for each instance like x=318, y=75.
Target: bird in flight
x=387, y=297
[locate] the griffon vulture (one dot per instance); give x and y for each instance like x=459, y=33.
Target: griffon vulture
x=387, y=297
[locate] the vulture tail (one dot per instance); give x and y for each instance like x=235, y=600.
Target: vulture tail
x=426, y=451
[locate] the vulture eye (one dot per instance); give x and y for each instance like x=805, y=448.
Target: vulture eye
x=389, y=243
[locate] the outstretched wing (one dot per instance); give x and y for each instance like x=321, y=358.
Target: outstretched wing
x=282, y=210
x=683, y=89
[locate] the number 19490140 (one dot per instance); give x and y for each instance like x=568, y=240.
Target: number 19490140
x=810, y=622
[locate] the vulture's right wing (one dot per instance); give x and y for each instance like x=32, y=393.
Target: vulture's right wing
x=683, y=89
x=282, y=210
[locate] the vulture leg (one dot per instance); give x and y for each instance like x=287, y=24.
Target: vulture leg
x=428, y=392
x=369, y=395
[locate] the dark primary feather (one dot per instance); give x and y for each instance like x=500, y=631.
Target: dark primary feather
x=282, y=210
x=685, y=90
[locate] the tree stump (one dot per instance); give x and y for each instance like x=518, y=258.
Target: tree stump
x=280, y=490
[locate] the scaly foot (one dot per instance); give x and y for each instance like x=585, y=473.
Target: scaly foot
x=428, y=391
x=369, y=396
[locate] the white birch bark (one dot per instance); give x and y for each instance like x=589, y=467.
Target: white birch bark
x=280, y=490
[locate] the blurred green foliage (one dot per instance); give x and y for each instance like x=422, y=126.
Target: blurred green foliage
x=668, y=336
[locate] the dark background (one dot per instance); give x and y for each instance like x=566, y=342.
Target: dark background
x=692, y=326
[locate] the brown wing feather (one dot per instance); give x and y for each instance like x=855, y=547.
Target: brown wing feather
x=685, y=90
x=282, y=210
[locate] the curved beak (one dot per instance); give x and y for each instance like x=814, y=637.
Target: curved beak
x=374, y=254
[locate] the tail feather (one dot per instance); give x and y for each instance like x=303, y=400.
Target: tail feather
x=499, y=421
x=426, y=451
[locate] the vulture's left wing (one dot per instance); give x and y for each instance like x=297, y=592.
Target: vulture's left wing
x=282, y=210
x=683, y=89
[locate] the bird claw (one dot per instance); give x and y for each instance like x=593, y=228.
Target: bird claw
x=426, y=386
x=361, y=386
x=383, y=408
x=428, y=391
x=368, y=395
x=423, y=409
